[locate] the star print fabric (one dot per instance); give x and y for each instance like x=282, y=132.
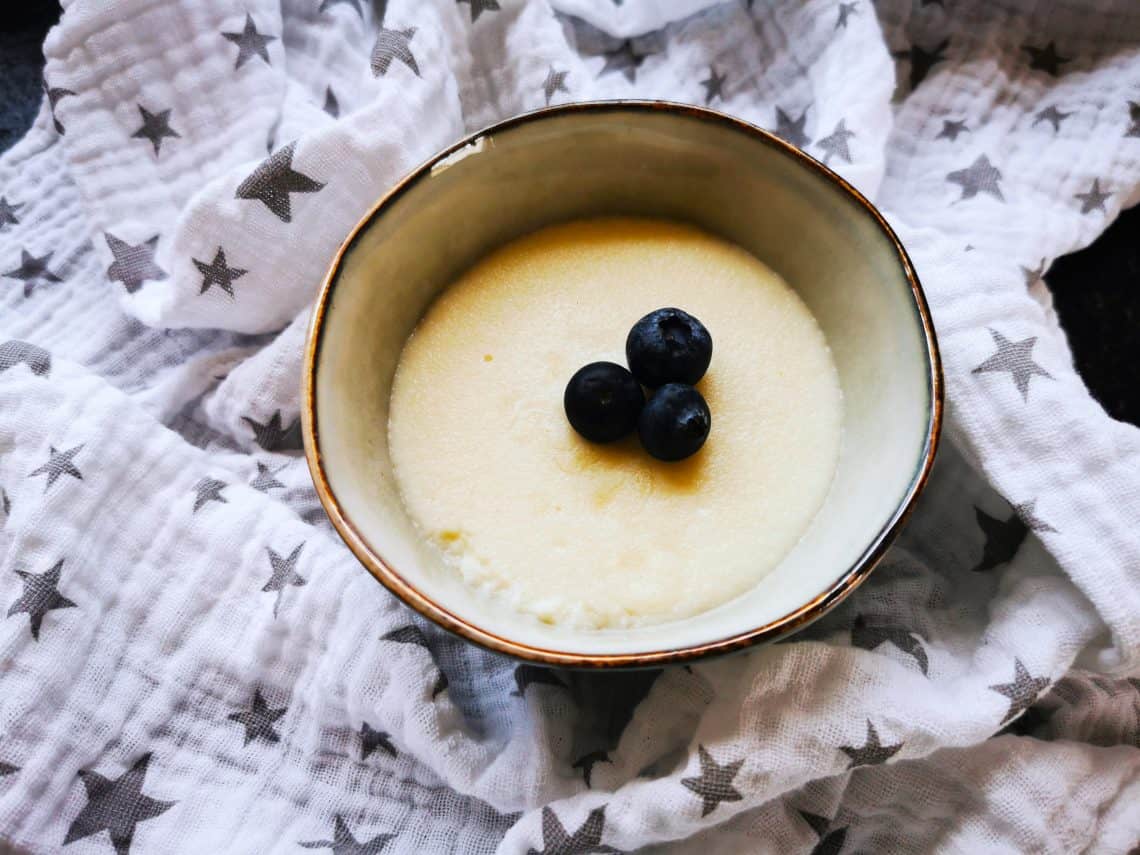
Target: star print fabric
x=193, y=662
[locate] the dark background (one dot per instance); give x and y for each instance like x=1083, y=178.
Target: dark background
x=1096, y=291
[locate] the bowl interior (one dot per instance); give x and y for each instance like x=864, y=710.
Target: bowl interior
x=612, y=159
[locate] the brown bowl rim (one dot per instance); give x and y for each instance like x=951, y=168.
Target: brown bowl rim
x=388, y=576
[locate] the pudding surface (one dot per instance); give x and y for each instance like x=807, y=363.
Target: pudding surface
x=604, y=535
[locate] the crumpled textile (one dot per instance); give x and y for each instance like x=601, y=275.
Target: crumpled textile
x=191, y=661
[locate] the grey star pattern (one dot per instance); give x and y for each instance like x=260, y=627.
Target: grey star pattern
x=1045, y=59
x=1093, y=199
x=1027, y=512
x=8, y=213
x=714, y=784
x=265, y=479
x=1016, y=358
x=1033, y=275
x=836, y=143
x=1134, y=118
x=619, y=54
x=208, y=490
x=586, y=839
x=624, y=59
x=951, y=129
x=59, y=464
x=258, y=720
x=529, y=675
x=412, y=634
x=218, y=272
x=1002, y=539
x=332, y=106
x=355, y=4
x=478, y=7
x=714, y=85
x=792, y=130
x=155, y=127
x=371, y=739
x=390, y=45
x=872, y=752
x=134, y=264
x=54, y=95
x=40, y=596
x=586, y=763
x=8, y=769
x=14, y=352
x=555, y=82
x=1022, y=692
x=845, y=10
x=922, y=60
x=5, y=502
x=869, y=637
x=344, y=843
x=272, y=436
x=830, y=840
x=116, y=806
x=1051, y=115
x=250, y=43
x=273, y=181
x=979, y=177
x=284, y=574
x=33, y=270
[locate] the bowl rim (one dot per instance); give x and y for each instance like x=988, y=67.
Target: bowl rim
x=810, y=611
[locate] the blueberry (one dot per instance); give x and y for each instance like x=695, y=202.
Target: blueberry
x=603, y=401
x=668, y=346
x=675, y=422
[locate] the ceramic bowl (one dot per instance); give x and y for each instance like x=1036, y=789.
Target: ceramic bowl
x=644, y=159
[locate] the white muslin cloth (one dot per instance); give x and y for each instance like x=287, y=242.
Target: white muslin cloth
x=191, y=661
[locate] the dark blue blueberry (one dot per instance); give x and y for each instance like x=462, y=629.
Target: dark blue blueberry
x=603, y=401
x=675, y=422
x=668, y=346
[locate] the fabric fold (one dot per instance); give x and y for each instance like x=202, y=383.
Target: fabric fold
x=194, y=662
